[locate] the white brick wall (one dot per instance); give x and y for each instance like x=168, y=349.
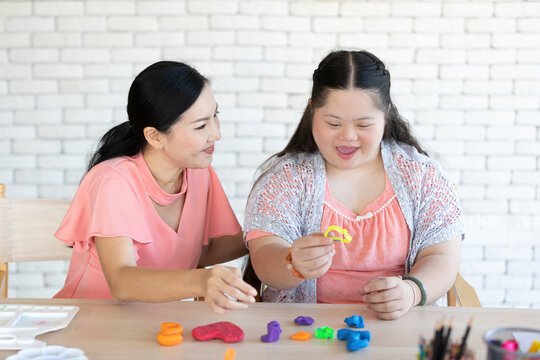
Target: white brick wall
x=466, y=74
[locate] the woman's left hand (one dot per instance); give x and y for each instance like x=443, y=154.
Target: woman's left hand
x=390, y=297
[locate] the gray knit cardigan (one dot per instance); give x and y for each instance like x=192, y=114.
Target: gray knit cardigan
x=288, y=201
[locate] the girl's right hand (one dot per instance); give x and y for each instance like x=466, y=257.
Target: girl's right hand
x=220, y=281
x=312, y=255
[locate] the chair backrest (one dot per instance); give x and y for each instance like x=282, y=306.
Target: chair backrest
x=462, y=294
x=26, y=232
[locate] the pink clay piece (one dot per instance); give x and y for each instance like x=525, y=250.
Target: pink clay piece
x=510, y=345
x=223, y=330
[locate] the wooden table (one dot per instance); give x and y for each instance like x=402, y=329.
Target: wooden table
x=110, y=330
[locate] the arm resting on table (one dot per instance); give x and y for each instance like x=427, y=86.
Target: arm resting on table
x=436, y=267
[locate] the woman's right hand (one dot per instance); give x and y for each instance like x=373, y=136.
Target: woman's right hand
x=220, y=281
x=312, y=255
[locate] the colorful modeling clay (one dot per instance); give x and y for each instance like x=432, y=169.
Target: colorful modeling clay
x=355, y=321
x=301, y=336
x=229, y=354
x=324, y=333
x=535, y=347
x=171, y=334
x=274, y=330
x=223, y=330
x=356, y=340
x=346, y=237
x=303, y=320
x=510, y=345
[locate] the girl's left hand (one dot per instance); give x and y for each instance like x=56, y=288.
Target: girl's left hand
x=390, y=297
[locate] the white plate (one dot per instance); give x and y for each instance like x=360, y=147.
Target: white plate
x=49, y=353
x=21, y=323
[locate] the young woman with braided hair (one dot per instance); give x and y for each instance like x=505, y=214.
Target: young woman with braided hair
x=353, y=163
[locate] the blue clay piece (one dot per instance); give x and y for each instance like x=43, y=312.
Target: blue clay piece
x=354, y=343
x=355, y=321
x=303, y=320
x=274, y=330
x=356, y=340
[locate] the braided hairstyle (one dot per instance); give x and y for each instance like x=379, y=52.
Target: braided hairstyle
x=344, y=70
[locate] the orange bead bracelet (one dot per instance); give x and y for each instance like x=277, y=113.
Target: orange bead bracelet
x=290, y=266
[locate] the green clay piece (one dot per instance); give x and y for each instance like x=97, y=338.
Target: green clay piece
x=324, y=333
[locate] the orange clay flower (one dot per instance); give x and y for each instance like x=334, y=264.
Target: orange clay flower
x=171, y=334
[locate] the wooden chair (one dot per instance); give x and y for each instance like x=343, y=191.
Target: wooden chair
x=26, y=232
x=462, y=294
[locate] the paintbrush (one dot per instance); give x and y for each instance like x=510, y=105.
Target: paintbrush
x=464, y=340
x=439, y=328
x=421, y=344
x=445, y=340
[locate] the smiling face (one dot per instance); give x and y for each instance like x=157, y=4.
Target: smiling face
x=348, y=129
x=189, y=143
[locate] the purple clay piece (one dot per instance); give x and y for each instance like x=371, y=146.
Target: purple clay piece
x=274, y=330
x=303, y=320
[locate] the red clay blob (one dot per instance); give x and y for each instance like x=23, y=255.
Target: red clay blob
x=223, y=330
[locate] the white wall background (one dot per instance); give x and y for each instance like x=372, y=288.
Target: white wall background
x=466, y=74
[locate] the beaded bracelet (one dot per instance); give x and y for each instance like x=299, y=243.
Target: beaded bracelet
x=422, y=290
x=290, y=266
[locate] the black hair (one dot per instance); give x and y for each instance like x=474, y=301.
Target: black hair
x=158, y=96
x=342, y=70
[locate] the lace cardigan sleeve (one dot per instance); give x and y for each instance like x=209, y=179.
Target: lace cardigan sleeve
x=288, y=201
x=277, y=201
x=440, y=215
x=427, y=197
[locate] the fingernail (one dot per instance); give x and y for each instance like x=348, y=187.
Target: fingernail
x=367, y=289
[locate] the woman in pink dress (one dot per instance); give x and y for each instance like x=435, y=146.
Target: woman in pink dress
x=151, y=214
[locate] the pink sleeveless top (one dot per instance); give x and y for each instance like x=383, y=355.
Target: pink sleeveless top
x=114, y=199
x=379, y=246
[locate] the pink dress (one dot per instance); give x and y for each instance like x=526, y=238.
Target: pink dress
x=115, y=199
x=379, y=246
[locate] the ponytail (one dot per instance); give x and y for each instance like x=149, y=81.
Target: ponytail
x=121, y=140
